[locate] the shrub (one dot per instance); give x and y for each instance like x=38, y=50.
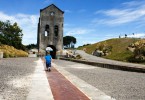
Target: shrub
x=10, y=51
x=136, y=60
x=78, y=57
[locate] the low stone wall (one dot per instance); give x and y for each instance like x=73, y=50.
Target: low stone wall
x=32, y=55
x=111, y=66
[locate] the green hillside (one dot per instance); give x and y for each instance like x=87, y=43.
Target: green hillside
x=118, y=48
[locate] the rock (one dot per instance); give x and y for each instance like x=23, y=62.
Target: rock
x=98, y=53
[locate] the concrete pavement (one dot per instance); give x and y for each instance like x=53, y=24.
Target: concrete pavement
x=121, y=85
x=41, y=90
x=89, y=90
x=20, y=73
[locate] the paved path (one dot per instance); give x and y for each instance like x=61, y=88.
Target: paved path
x=90, y=91
x=64, y=86
x=39, y=89
x=25, y=79
x=63, y=89
x=120, y=85
x=107, y=61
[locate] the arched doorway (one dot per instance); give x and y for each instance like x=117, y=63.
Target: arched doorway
x=52, y=53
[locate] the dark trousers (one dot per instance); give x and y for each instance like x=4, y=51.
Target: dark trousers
x=48, y=65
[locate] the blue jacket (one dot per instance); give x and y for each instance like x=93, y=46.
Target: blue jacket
x=48, y=59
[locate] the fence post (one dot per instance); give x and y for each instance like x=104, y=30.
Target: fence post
x=1, y=54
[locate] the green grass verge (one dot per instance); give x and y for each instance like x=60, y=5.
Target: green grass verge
x=119, y=48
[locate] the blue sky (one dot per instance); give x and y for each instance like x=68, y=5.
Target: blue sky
x=90, y=21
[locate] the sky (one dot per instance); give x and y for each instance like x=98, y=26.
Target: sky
x=89, y=21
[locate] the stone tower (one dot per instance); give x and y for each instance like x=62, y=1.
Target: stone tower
x=50, y=29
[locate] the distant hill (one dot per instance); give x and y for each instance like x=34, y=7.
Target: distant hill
x=117, y=47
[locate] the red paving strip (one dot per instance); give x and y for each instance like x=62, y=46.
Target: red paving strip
x=62, y=89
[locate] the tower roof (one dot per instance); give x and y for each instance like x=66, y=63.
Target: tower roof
x=50, y=6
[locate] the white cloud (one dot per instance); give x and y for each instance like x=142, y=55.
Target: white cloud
x=88, y=42
x=4, y=17
x=68, y=11
x=85, y=40
x=79, y=11
x=137, y=35
x=125, y=15
x=65, y=25
x=133, y=3
x=74, y=31
x=28, y=23
x=109, y=36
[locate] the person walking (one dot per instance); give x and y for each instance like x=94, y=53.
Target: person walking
x=48, y=60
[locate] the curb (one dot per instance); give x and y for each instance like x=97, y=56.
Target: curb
x=110, y=66
x=40, y=88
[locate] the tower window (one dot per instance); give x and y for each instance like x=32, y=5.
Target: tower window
x=56, y=30
x=52, y=13
x=46, y=30
x=46, y=33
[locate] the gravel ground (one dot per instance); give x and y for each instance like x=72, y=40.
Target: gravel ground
x=15, y=77
x=121, y=85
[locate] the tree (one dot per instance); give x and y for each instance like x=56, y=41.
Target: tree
x=69, y=41
x=11, y=34
x=31, y=46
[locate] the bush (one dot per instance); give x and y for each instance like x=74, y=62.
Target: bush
x=136, y=60
x=78, y=57
x=10, y=51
